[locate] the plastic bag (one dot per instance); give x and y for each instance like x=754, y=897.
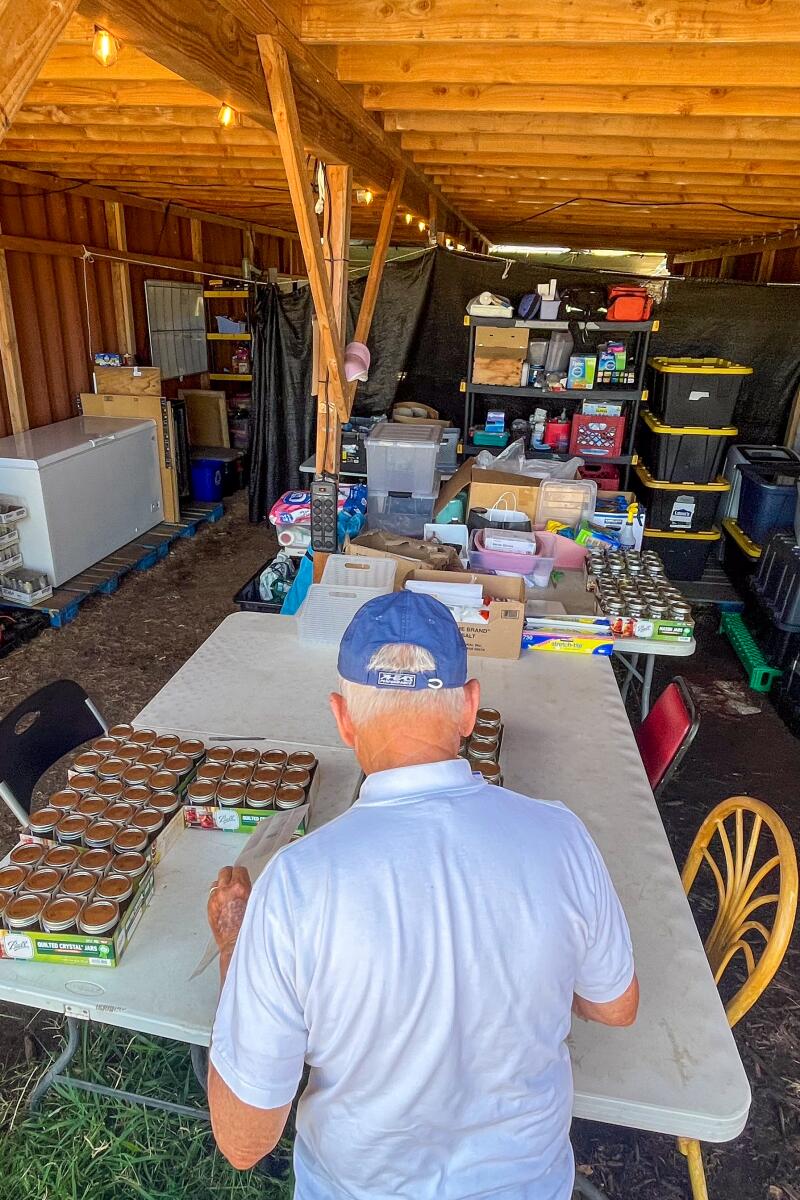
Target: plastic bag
x=276, y=579
x=513, y=460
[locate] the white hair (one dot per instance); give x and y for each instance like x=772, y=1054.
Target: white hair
x=365, y=703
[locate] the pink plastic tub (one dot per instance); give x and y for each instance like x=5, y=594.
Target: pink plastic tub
x=568, y=555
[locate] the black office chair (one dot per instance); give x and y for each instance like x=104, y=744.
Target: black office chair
x=37, y=733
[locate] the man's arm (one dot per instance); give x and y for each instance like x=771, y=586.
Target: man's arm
x=621, y=1011
x=243, y=1133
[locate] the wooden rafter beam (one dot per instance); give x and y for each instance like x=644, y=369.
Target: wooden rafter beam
x=290, y=138
x=655, y=148
x=615, y=64
x=378, y=261
x=516, y=22
x=784, y=241
x=681, y=168
x=30, y=30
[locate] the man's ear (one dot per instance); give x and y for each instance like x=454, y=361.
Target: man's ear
x=342, y=718
x=472, y=700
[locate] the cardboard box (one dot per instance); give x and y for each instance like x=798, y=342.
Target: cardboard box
x=486, y=487
x=499, y=356
x=612, y=522
x=80, y=949
x=408, y=553
x=501, y=637
x=128, y=381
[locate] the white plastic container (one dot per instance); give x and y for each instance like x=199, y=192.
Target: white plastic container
x=356, y=570
x=567, y=500
x=402, y=458
x=328, y=610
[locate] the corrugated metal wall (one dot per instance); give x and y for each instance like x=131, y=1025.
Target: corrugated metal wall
x=57, y=300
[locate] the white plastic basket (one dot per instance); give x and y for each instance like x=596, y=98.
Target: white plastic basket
x=357, y=570
x=29, y=599
x=11, y=511
x=329, y=609
x=10, y=538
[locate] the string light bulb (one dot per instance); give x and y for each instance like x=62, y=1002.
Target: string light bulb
x=409, y=218
x=105, y=47
x=364, y=196
x=421, y=226
x=226, y=116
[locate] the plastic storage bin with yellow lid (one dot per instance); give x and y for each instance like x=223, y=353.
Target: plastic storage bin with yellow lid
x=684, y=554
x=740, y=556
x=695, y=391
x=690, y=507
x=681, y=453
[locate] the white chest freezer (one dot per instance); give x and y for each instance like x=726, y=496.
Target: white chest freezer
x=90, y=485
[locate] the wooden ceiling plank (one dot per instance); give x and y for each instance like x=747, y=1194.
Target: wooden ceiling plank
x=681, y=168
x=623, y=64
x=656, y=100
x=77, y=64
x=30, y=31
x=518, y=22
x=118, y=93
x=631, y=147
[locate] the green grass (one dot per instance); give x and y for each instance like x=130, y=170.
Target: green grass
x=84, y=1147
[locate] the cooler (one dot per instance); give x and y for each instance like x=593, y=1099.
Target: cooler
x=750, y=454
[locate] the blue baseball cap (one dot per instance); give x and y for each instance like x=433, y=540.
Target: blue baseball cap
x=410, y=618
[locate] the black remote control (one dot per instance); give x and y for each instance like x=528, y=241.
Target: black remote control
x=324, y=513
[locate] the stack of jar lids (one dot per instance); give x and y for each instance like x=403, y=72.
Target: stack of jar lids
x=120, y=792
x=250, y=778
x=482, y=747
x=59, y=889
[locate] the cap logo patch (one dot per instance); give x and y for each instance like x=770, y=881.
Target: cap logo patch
x=397, y=679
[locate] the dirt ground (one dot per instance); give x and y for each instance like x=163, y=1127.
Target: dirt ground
x=123, y=648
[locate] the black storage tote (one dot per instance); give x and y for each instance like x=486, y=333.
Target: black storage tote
x=695, y=391
x=691, y=507
x=684, y=555
x=684, y=453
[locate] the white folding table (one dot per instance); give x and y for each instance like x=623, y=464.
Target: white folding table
x=567, y=738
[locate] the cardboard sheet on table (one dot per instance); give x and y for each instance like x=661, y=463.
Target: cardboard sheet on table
x=262, y=845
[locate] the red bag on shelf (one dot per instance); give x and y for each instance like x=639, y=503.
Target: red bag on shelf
x=629, y=302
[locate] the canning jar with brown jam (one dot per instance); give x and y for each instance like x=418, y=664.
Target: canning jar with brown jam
x=72, y=828
x=79, y=884
x=118, y=888
x=100, y=834
x=60, y=915
x=99, y=918
x=129, y=863
x=43, y=822
x=62, y=858
x=27, y=854
x=43, y=881
x=24, y=911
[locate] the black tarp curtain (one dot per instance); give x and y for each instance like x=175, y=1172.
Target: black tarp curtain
x=419, y=347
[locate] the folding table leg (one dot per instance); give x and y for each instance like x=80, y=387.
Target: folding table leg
x=630, y=665
x=53, y=1074
x=647, y=683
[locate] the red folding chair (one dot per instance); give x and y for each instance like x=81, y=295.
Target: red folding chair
x=667, y=732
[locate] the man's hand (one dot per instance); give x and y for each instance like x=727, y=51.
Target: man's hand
x=227, y=901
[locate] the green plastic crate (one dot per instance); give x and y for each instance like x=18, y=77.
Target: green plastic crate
x=760, y=675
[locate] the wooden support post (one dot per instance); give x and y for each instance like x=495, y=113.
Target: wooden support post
x=765, y=266
x=377, y=263
x=30, y=31
x=249, y=245
x=290, y=140
x=121, y=279
x=196, y=231
x=433, y=216
x=9, y=355
x=336, y=251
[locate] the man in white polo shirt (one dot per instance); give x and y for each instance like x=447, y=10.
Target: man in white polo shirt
x=422, y=954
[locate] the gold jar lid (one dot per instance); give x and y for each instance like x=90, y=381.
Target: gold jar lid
x=92, y=806
x=296, y=775
x=130, y=839
x=230, y=794
x=123, y=730
x=143, y=737
x=27, y=854
x=109, y=789
x=119, y=813
x=84, y=785
x=138, y=794
x=59, y=914
x=12, y=877
x=72, y=827
x=105, y=745
x=96, y=860
x=302, y=758
x=267, y=775
x=165, y=802
x=247, y=755
x=181, y=764
x=274, y=758
x=100, y=833
x=130, y=752
x=167, y=741
x=211, y=771
x=222, y=754
x=63, y=858
x=192, y=747
x=79, y=883
x=164, y=781
x=114, y=887
x=22, y=912
x=260, y=795
x=42, y=880
x=289, y=796
x=238, y=773
x=137, y=775
x=98, y=917
x=86, y=762
x=44, y=821
x=153, y=758
x=111, y=768
x=149, y=821
x=201, y=791
x=129, y=862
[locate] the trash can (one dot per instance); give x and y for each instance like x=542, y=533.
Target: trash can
x=207, y=476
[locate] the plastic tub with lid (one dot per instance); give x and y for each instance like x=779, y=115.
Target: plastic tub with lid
x=402, y=458
x=567, y=500
x=695, y=391
x=682, y=453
